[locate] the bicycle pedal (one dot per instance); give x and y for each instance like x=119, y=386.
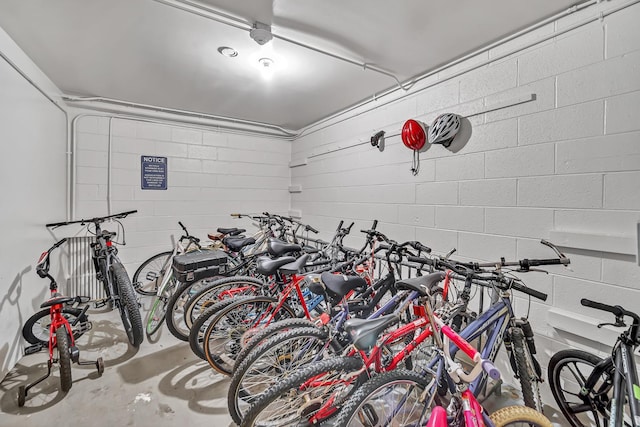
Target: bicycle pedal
x=101, y=303
x=35, y=348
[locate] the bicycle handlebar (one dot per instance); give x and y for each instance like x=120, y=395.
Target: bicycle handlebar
x=616, y=310
x=95, y=220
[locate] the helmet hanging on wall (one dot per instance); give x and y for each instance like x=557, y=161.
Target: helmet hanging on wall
x=444, y=129
x=414, y=137
x=414, y=134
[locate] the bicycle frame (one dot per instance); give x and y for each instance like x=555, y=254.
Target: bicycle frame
x=625, y=372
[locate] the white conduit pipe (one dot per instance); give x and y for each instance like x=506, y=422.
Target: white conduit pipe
x=241, y=125
x=208, y=12
x=376, y=97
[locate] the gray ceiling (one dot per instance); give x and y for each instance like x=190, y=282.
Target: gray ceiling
x=150, y=52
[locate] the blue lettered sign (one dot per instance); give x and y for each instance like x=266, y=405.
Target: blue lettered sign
x=153, y=173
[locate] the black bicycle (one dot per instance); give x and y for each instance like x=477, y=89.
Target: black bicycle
x=592, y=391
x=113, y=276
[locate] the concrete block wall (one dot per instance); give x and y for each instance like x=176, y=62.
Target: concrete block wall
x=566, y=162
x=210, y=175
x=32, y=186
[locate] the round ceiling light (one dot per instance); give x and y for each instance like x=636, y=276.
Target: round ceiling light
x=228, y=51
x=266, y=62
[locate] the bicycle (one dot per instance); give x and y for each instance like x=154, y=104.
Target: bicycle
x=61, y=333
x=496, y=321
x=165, y=282
x=591, y=391
x=403, y=397
x=152, y=269
x=113, y=276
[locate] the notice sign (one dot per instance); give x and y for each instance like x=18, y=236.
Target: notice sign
x=154, y=173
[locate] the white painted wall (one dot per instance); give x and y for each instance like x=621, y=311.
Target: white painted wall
x=210, y=175
x=567, y=162
x=32, y=185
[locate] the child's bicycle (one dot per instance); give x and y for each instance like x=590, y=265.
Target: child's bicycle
x=61, y=336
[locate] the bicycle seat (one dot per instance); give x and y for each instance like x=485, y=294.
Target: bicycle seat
x=268, y=266
x=235, y=244
x=296, y=266
x=423, y=284
x=365, y=332
x=339, y=285
x=278, y=247
x=232, y=231
x=59, y=299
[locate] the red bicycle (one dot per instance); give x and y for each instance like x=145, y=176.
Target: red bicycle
x=61, y=337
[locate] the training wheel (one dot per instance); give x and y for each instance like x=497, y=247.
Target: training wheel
x=100, y=366
x=22, y=394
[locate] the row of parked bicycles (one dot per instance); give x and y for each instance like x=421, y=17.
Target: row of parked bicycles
x=316, y=333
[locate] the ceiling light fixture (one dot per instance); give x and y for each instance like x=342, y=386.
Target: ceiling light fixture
x=266, y=66
x=261, y=33
x=228, y=51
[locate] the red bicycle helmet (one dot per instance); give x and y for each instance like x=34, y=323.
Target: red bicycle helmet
x=414, y=135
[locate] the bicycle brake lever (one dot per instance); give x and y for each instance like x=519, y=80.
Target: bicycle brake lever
x=618, y=324
x=522, y=270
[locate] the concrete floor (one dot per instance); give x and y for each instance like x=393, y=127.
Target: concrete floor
x=161, y=384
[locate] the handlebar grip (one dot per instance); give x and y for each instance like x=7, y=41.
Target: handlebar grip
x=340, y=224
x=55, y=224
x=375, y=224
x=419, y=260
x=536, y=294
x=349, y=227
x=423, y=248
x=235, y=215
x=617, y=310
x=491, y=369
x=537, y=262
x=313, y=230
x=128, y=212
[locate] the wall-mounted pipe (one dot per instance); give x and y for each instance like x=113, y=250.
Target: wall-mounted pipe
x=209, y=12
x=118, y=106
x=316, y=126
x=69, y=152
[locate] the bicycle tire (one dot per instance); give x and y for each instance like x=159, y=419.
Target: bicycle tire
x=526, y=372
x=199, y=327
x=155, y=266
x=128, y=306
x=266, y=333
x=234, y=320
x=210, y=292
x=35, y=332
x=567, y=400
x=378, y=395
x=270, y=363
x=175, y=315
x=157, y=314
x=64, y=358
x=519, y=416
x=297, y=405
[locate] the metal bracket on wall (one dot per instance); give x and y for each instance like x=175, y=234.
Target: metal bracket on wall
x=521, y=99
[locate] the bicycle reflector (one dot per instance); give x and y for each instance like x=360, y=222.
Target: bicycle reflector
x=414, y=134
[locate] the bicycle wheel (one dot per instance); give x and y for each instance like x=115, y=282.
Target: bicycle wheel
x=128, y=306
x=147, y=277
x=568, y=372
x=526, y=370
x=36, y=328
x=393, y=398
x=200, y=325
x=223, y=337
x=271, y=362
x=303, y=395
x=216, y=289
x=250, y=341
x=64, y=358
x=156, y=315
x=519, y=416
